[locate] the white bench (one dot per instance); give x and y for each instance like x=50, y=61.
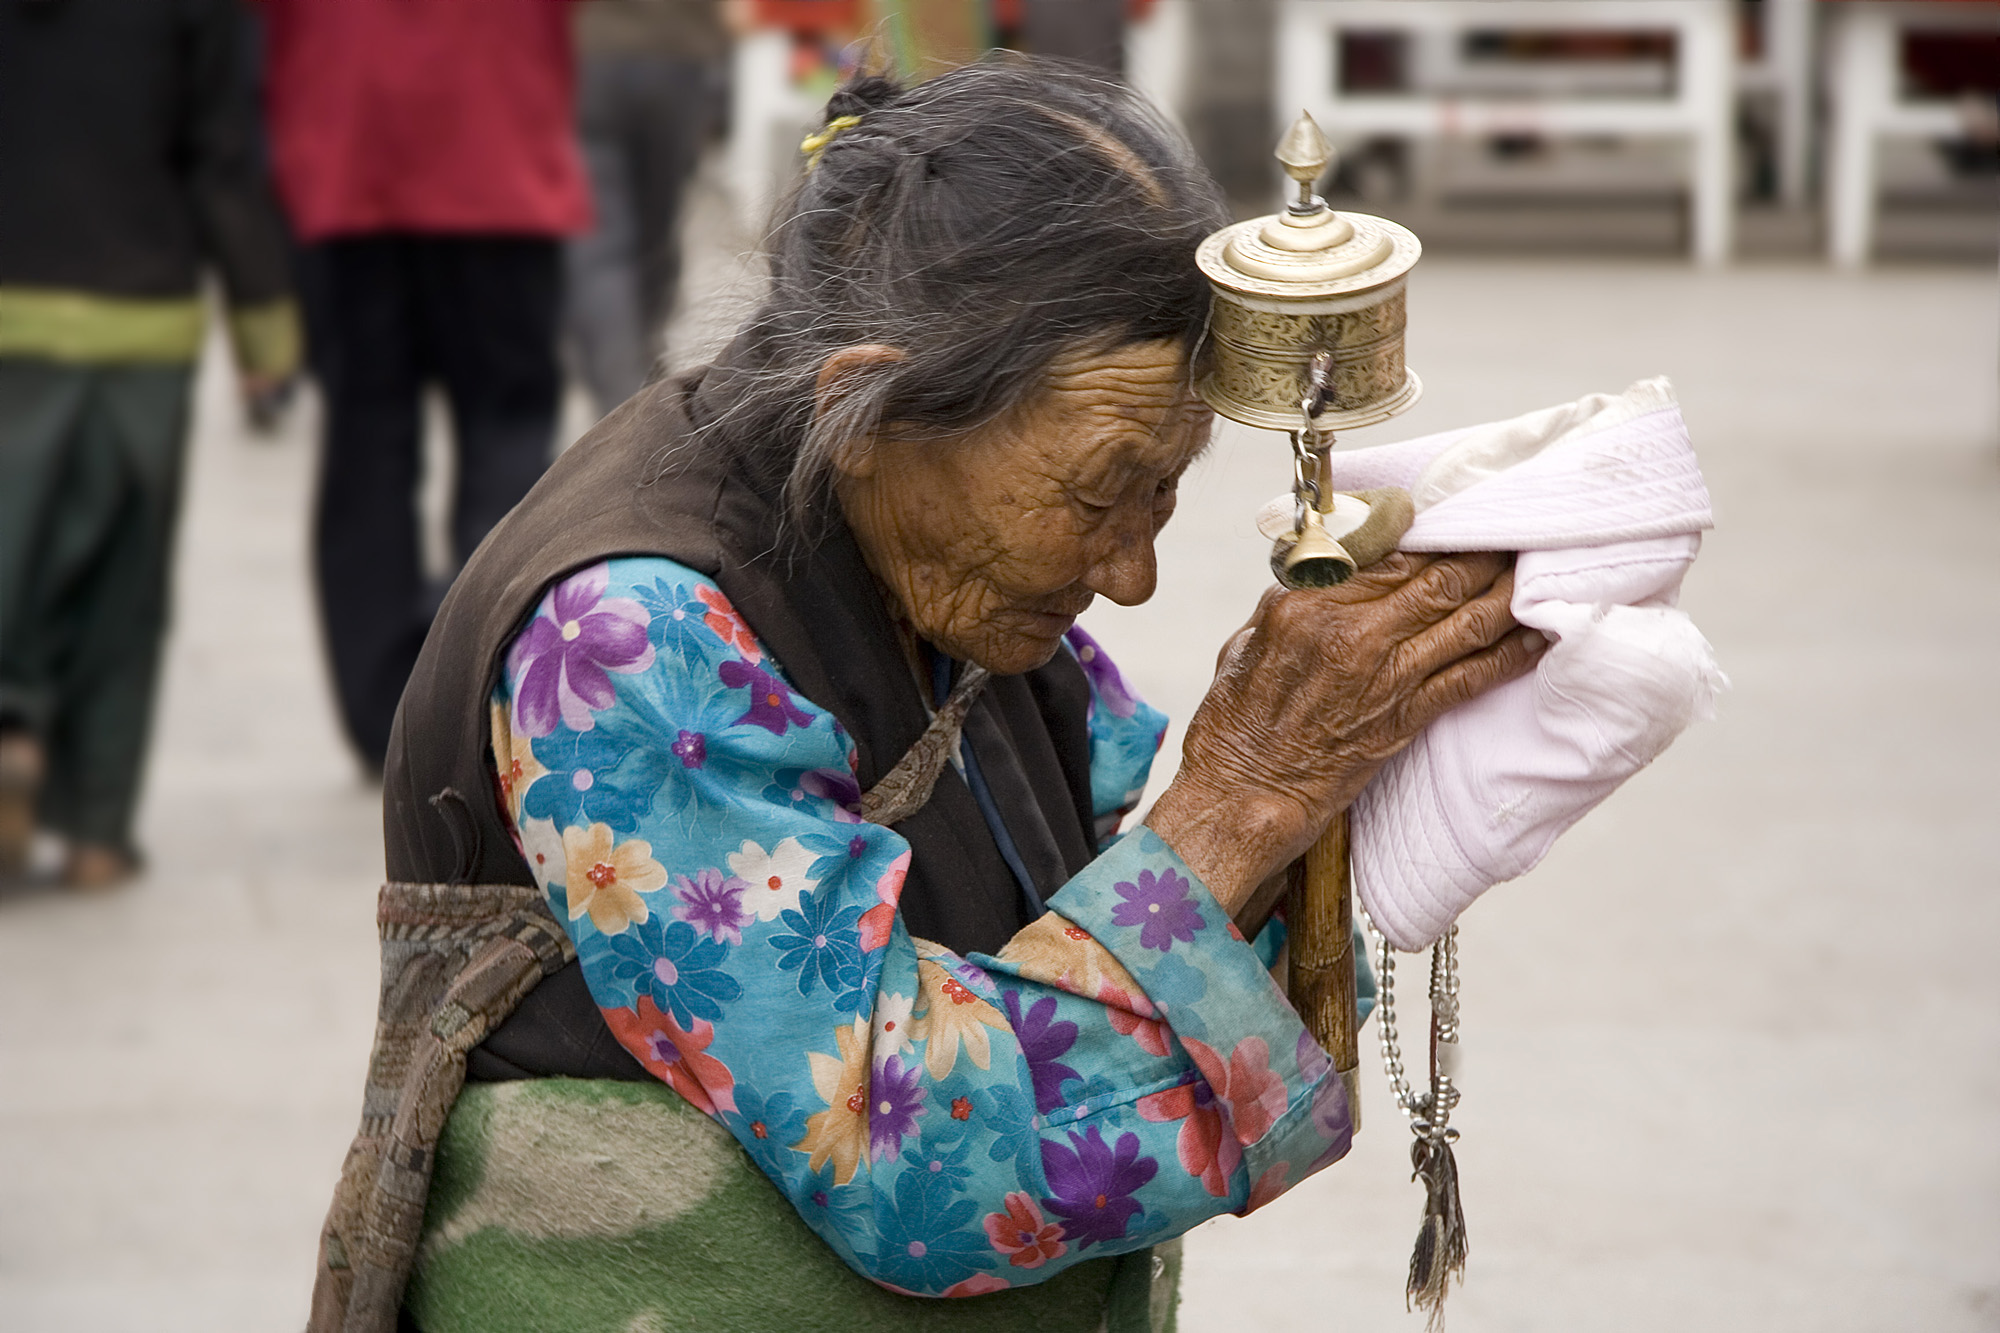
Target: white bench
x=1698, y=107
x=1865, y=74
x=769, y=113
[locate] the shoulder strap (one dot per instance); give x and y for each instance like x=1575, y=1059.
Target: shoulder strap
x=907, y=787
x=456, y=960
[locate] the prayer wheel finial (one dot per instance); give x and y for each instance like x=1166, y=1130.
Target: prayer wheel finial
x=1305, y=154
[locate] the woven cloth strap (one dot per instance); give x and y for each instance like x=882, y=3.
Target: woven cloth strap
x=904, y=788
x=456, y=960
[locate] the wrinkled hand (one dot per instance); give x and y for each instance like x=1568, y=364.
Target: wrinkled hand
x=1316, y=692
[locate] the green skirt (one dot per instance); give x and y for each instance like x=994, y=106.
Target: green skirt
x=571, y=1206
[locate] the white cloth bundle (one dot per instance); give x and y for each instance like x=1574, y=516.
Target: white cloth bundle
x=1605, y=503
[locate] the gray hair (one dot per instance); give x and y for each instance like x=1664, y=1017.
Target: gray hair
x=983, y=224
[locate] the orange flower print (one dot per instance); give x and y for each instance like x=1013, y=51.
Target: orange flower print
x=875, y=926
x=840, y=1133
x=675, y=1056
x=1274, y=1181
x=514, y=764
x=950, y=1016
x=727, y=625
x=1251, y=1093
x=1023, y=1235
x=961, y=1108
x=1063, y=954
x=1132, y=1016
x=605, y=877
x=1208, y=1150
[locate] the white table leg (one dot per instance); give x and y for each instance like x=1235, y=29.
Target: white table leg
x=758, y=99
x=1708, y=68
x=1863, y=67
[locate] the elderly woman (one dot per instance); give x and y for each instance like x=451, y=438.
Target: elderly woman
x=773, y=693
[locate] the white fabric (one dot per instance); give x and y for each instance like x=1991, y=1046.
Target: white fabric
x=1606, y=504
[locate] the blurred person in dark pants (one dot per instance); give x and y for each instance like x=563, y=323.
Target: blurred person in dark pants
x=426, y=155
x=646, y=91
x=127, y=164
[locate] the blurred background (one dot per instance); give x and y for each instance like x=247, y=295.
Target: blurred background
x=275, y=360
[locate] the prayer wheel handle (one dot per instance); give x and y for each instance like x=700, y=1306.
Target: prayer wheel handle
x=1320, y=970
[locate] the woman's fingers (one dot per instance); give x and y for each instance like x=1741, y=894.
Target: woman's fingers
x=1479, y=623
x=1444, y=585
x=1470, y=677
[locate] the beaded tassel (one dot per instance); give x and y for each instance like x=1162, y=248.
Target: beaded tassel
x=1441, y=1246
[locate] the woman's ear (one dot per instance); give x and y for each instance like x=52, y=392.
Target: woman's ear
x=840, y=374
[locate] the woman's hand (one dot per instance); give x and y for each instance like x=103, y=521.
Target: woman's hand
x=1315, y=693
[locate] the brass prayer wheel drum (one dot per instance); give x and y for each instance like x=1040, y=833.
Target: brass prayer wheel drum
x=1305, y=281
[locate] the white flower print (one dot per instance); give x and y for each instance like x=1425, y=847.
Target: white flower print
x=892, y=1025
x=776, y=878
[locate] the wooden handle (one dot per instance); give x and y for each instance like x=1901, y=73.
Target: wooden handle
x=1319, y=923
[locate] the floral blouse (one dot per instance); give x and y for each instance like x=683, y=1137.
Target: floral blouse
x=1124, y=1069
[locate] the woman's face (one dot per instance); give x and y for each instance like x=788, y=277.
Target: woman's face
x=995, y=541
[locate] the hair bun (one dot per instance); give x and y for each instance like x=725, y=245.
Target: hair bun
x=858, y=97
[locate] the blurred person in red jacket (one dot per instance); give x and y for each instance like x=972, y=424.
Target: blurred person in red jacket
x=425, y=151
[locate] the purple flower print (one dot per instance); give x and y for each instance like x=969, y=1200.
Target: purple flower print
x=1094, y=1183
x=1313, y=1061
x=560, y=660
x=805, y=788
x=838, y=786
x=691, y=748
x=1042, y=1042
x=771, y=705
x=894, y=1102
x=1107, y=682
x=712, y=903
x=1159, y=905
x=1331, y=1115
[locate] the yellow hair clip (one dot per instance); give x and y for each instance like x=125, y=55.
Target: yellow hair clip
x=814, y=146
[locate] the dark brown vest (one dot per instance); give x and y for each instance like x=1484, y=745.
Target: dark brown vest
x=636, y=485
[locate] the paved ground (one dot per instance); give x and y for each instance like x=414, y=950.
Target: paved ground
x=1733, y=1052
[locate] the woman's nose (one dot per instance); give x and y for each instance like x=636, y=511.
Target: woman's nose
x=1125, y=570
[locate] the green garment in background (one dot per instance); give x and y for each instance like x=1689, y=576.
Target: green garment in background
x=598, y=1206
x=90, y=477
x=927, y=37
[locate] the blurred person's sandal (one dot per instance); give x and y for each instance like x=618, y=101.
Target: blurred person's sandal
x=21, y=767
x=90, y=868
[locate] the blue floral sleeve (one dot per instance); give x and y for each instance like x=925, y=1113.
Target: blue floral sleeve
x=1124, y=1068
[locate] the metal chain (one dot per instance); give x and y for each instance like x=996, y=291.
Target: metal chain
x=1307, y=440
x=1385, y=1019
x=1429, y=1111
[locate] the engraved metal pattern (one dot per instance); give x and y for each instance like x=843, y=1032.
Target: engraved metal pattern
x=1260, y=371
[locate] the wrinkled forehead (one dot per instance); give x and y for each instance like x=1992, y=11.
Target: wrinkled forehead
x=1136, y=399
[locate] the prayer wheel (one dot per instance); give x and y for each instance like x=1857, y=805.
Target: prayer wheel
x=1303, y=282
x=1307, y=338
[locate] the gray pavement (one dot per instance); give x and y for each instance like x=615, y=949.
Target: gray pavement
x=1733, y=1052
